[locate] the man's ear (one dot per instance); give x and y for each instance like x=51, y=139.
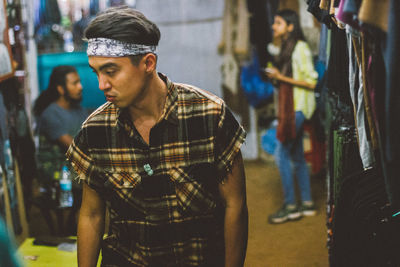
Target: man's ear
x=60, y=90
x=150, y=61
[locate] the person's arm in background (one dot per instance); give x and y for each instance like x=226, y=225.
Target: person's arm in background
x=274, y=73
x=90, y=227
x=302, y=67
x=65, y=140
x=54, y=128
x=233, y=192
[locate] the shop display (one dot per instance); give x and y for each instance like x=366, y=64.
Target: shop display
x=6, y=66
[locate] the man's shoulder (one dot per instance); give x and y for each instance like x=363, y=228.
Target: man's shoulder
x=52, y=112
x=192, y=93
x=53, y=107
x=103, y=115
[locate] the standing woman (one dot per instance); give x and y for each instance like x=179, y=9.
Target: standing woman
x=296, y=78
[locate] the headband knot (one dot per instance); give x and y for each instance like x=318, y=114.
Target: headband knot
x=113, y=48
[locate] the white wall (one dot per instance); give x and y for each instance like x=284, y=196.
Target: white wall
x=190, y=33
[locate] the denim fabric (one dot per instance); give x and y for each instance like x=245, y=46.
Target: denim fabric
x=357, y=97
x=323, y=42
x=292, y=153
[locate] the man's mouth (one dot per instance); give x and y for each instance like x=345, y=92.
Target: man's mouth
x=110, y=98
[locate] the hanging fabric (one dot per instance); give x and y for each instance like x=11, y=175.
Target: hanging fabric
x=256, y=90
x=94, y=7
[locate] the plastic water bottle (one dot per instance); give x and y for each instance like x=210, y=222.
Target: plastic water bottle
x=66, y=198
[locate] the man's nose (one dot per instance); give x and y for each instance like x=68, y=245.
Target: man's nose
x=103, y=83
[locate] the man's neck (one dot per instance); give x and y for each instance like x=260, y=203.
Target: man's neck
x=152, y=105
x=62, y=102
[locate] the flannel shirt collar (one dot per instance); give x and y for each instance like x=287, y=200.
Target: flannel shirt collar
x=170, y=112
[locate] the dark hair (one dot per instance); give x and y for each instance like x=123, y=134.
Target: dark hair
x=291, y=17
x=124, y=24
x=57, y=77
x=287, y=46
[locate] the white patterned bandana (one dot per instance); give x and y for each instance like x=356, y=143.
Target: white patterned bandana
x=113, y=48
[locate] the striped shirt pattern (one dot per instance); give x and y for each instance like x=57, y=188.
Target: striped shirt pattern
x=171, y=215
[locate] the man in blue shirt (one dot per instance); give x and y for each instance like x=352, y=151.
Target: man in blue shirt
x=59, y=117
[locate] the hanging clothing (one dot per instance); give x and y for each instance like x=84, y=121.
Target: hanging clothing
x=94, y=7
x=3, y=127
x=235, y=48
x=357, y=97
x=338, y=80
x=261, y=19
x=320, y=14
x=375, y=13
x=392, y=107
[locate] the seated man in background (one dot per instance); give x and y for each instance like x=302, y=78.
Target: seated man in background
x=59, y=117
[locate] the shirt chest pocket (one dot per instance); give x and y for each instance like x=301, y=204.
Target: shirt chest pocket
x=194, y=196
x=124, y=189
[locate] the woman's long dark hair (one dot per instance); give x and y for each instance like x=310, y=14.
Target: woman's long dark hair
x=57, y=77
x=287, y=47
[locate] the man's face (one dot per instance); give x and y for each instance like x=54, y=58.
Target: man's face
x=122, y=82
x=73, y=88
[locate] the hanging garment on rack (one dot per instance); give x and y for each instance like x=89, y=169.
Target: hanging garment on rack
x=391, y=148
x=94, y=7
x=3, y=127
x=348, y=11
x=338, y=80
x=346, y=159
x=324, y=4
x=235, y=48
x=357, y=97
x=235, y=38
x=323, y=44
x=320, y=14
x=261, y=18
x=363, y=233
x=375, y=13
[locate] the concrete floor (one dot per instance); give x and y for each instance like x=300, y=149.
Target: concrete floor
x=299, y=243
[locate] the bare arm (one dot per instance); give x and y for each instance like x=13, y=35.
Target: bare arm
x=273, y=73
x=65, y=140
x=90, y=227
x=233, y=191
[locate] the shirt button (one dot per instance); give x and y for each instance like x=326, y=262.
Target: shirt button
x=148, y=169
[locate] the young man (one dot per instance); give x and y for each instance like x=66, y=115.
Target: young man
x=59, y=117
x=163, y=157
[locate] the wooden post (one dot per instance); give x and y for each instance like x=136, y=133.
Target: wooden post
x=21, y=205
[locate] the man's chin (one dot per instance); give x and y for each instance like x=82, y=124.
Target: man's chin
x=75, y=102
